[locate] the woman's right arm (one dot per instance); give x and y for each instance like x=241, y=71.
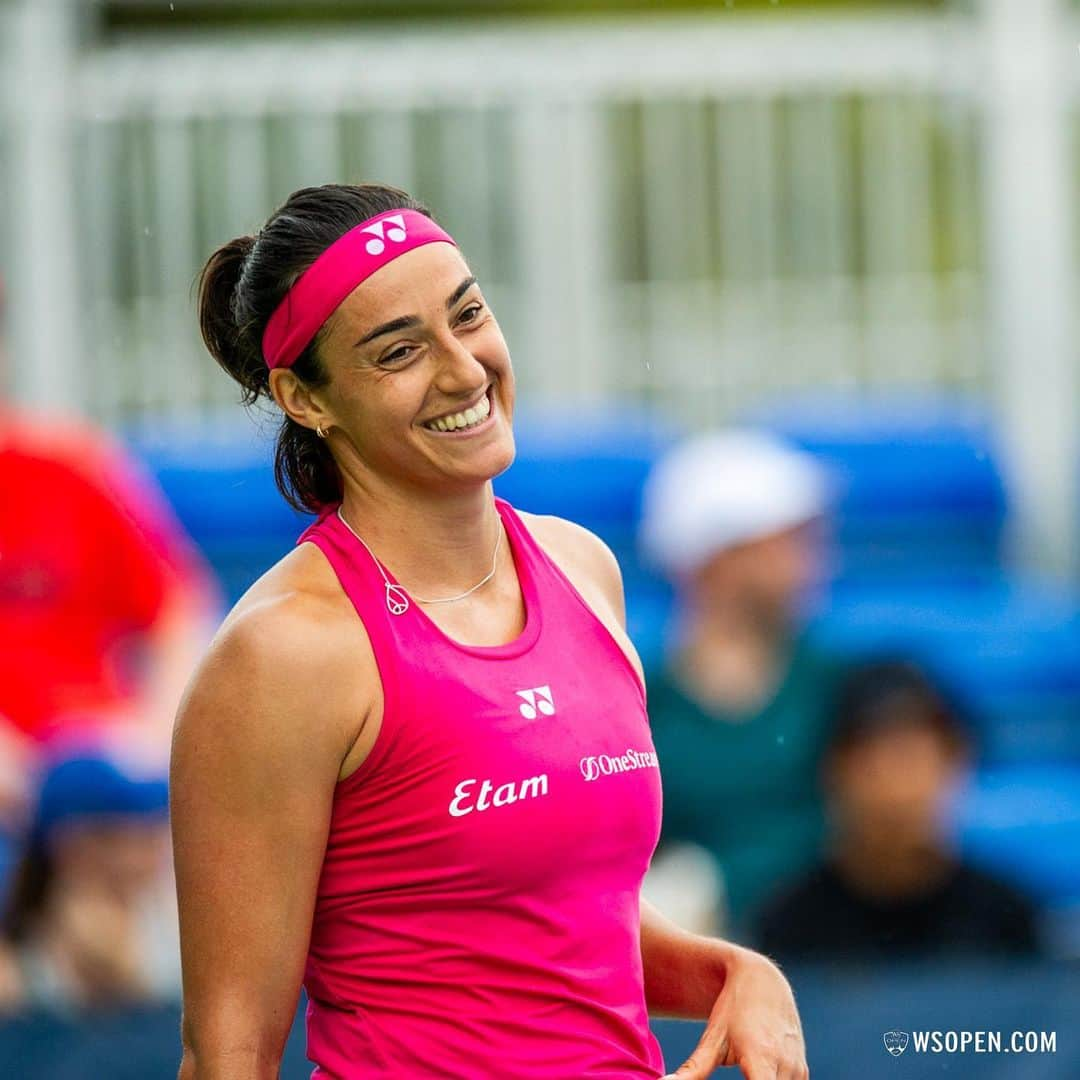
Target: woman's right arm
x=259, y=742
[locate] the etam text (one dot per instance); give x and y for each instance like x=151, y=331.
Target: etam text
x=467, y=798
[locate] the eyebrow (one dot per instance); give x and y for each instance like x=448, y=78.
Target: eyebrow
x=404, y=322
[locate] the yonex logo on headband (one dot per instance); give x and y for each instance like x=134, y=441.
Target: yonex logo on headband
x=396, y=232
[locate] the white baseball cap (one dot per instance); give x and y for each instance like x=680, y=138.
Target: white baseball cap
x=724, y=488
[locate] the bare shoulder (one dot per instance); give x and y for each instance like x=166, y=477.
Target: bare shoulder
x=291, y=667
x=294, y=618
x=585, y=559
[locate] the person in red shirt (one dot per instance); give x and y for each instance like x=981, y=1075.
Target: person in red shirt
x=105, y=606
x=103, y=599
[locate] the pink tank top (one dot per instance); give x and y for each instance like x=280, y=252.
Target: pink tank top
x=478, y=910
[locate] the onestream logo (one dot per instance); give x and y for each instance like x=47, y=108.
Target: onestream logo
x=595, y=766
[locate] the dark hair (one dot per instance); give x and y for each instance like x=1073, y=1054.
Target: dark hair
x=242, y=284
x=885, y=694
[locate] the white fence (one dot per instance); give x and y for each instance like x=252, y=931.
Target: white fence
x=693, y=212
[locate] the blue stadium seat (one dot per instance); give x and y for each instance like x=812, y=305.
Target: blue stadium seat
x=920, y=492
x=590, y=466
x=1009, y=648
x=219, y=479
x=1023, y=823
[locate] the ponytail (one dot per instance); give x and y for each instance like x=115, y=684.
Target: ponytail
x=218, y=319
x=242, y=284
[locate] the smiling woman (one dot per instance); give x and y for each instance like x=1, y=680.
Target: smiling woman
x=328, y=749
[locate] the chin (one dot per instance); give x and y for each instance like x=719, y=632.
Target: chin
x=508, y=451
x=494, y=463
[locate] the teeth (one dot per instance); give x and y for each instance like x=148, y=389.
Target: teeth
x=463, y=419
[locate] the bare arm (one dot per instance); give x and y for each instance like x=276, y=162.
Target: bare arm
x=259, y=743
x=684, y=972
x=751, y=1017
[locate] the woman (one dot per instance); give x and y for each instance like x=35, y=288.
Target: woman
x=414, y=770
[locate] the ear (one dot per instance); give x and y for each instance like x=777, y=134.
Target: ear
x=299, y=401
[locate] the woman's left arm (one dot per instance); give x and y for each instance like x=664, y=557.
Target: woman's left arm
x=750, y=1010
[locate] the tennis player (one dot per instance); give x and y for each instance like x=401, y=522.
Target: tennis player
x=414, y=770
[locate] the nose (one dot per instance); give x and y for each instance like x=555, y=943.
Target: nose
x=459, y=371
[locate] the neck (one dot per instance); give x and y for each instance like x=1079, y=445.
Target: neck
x=730, y=658
x=889, y=871
x=435, y=544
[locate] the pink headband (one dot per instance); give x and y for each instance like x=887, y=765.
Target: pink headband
x=336, y=272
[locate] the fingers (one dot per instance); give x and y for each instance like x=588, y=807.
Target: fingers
x=707, y=1055
x=759, y=1068
x=769, y=1068
x=793, y=1070
x=693, y=1068
x=690, y=1070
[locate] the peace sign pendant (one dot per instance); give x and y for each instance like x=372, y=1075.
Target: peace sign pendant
x=397, y=599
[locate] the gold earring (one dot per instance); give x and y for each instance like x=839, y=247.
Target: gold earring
x=319, y=431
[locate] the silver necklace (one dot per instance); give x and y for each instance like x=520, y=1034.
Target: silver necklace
x=397, y=599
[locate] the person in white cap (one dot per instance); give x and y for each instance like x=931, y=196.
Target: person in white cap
x=734, y=519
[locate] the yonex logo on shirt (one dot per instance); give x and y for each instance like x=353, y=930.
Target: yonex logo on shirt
x=538, y=698
x=593, y=767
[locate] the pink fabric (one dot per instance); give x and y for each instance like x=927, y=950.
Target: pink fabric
x=336, y=272
x=478, y=913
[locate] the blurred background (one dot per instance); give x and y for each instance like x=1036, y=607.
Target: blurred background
x=790, y=291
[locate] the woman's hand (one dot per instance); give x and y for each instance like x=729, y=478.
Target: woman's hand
x=753, y=1024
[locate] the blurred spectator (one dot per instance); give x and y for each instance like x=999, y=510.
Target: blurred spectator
x=104, y=603
x=91, y=920
x=889, y=888
x=738, y=714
